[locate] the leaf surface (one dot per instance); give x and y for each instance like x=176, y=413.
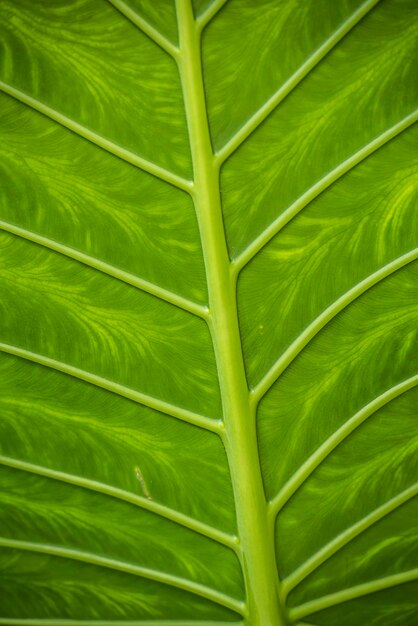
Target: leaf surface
x=208, y=241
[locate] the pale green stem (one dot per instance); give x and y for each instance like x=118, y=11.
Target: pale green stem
x=260, y=573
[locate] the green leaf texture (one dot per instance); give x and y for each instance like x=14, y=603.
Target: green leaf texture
x=208, y=339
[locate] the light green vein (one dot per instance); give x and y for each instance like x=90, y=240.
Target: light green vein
x=70, y=622
x=205, y=17
x=184, y=415
x=324, y=318
x=258, y=562
x=345, y=537
x=312, y=61
x=98, y=140
x=306, y=198
x=305, y=470
x=352, y=593
x=146, y=27
x=108, y=269
x=136, y=570
x=229, y=541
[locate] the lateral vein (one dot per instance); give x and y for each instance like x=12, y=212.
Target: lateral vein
x=184, y=415
x=136, y=570
x=352, y=593
x=108, y=269
x=324, y=183
x=229, y=541
x=107, y=145
x=324, y=318
x=208, y=15
x=329, y=445
x=345, y=537
x=312, y=61
x=145, y=27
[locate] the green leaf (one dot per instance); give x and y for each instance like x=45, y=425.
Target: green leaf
x=208, y=339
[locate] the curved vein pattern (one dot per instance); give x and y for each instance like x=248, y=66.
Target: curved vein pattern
x=327, y=118
x=339, y=254
x=79, y=186
x=102, y=142
x=356, y=592
x=351, y=533
x=117, y=75
x=319, y=188
x=316, y=57
x=268, y=305
x=122, y=566
x=145, y=26
x=106, y=268
x=94, y=464
x=125, y=392
x=325, y=317
x=73, y=300
x=304, y=471
x=113, y=590
x=138, y=500
x=330, y=178
x=203, y=18
x=159, y=21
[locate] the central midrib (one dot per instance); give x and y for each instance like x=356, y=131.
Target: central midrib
x=239, y=434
